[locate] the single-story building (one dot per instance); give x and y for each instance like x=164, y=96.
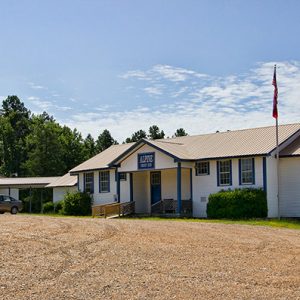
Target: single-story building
x=63, y=185
x=11, y=186
x=180, y=173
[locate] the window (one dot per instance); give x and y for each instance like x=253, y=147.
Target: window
x=123, y=176
x=89, y=182
x=224, y=172
x=202, y=168
x=246, y=170
x=104, y=185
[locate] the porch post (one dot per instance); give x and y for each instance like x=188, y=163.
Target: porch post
x=191, y=183
x=131, y=187
x=30, y=194
x=179, y=187
x=118, y=186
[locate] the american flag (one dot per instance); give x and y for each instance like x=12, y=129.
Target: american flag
x=275, y=111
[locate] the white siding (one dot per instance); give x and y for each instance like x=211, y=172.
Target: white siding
x=205, y=185
x=272, y=187
x=108, y=197
x=80, y=182
x=12, y=192
x=289, y=187
x=141, y=192
x=162, y=161
x=102, y=198
x=169, y=184
x=125, y=189
x=59, y=192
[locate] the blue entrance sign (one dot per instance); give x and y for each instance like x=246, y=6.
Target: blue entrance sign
x=146, y=160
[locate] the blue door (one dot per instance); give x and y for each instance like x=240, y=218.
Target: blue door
x=155, y=181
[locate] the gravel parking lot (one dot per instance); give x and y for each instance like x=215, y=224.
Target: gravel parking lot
x=82, y=258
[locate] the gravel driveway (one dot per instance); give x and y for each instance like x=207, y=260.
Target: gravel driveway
x=76, y=258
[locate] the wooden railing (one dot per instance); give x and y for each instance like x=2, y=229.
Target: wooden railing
x=169, y=206
x=113, y=209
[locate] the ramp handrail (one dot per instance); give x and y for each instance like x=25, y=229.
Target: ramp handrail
x=113, y=209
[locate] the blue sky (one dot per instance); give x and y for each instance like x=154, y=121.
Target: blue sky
x=126, y=65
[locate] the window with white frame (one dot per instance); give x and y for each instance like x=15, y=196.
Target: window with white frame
x=202, y=168
x=224, y=172
x=247, y=171
x=123, y=176
x=89, y=182
x=104, y=184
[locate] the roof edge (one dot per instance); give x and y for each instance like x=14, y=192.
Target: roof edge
x=133, y=148
x=294, y=135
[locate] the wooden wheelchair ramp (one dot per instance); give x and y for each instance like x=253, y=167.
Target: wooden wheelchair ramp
x=113, y=210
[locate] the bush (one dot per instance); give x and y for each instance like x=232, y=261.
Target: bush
x=59, y=207
x=48, y=207
x=237, y=204
x=77, y=204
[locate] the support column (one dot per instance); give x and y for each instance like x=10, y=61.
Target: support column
x=191, y=184
x=179, y=187
x=118, y=187
x=30, y=194
x=131, y=187
x=42, y=200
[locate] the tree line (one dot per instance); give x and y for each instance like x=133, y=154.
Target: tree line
x=37, y=145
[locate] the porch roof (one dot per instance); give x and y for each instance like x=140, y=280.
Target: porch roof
x=64, y=181
x=26, y=182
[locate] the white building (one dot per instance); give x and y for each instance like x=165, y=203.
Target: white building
x=180, y=173
x=63, y=185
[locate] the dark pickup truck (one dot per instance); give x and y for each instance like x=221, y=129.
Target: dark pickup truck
x=9, y=204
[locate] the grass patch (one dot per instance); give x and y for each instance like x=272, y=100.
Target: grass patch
x=52, y=215
x=283, y=223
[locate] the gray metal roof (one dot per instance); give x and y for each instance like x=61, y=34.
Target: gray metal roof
x=64, y=181
x=102, y=160
x=246, y=142
x=26, y=181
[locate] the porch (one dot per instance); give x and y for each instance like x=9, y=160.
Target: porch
x=159, y=192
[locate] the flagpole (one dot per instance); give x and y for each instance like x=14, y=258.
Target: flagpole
x=277, y=140
x=277, y=161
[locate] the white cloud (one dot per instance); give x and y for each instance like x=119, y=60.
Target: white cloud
x=45, y=105
x=137, y=74
x=36, y=86
x=201, y=106
x=153, y=90
x=166, y=72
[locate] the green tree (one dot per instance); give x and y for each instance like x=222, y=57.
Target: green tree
x=104, y=141
x=155, y=133
x=72, y=147
x=89, y=147
x=180, y=132
x=136, y=136
x=45, y=149
x=14, y=127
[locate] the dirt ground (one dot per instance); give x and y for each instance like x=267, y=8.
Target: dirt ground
x=80, y=258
